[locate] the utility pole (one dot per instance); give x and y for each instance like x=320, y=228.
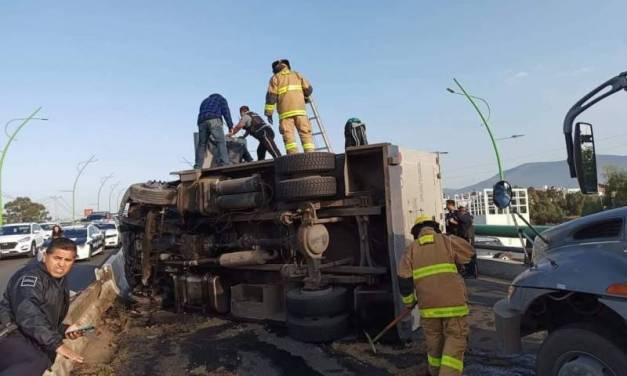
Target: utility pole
x=80, y=167
x=113, y=186
x=103, y=180
x=11, y=138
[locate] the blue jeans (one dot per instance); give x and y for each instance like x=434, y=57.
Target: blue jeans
x=211, y=134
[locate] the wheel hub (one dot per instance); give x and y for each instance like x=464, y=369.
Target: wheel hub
x=584, y=365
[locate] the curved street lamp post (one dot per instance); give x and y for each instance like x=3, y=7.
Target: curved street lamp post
x=11, y=138
x=80, y=167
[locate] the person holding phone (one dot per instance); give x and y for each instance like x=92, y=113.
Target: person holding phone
x=32, y=311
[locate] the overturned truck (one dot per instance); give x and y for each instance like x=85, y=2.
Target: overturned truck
x=311, y=240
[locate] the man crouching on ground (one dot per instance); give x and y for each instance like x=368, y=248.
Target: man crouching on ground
x=32, y=310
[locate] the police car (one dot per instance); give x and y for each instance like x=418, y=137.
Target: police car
x=88, y=238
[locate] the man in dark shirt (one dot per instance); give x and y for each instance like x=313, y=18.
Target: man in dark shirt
x=211, y=131
x=254, y=125
x=32, y=311
x=451, y=218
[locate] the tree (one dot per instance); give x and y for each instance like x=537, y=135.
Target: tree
x=546, y=206
x=22, y=209
x=616, y=183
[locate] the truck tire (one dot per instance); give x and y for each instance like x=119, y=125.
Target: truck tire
x=317, y=330
x=153, y=194
x=304, y=163
x=33, y=250
x=576, y=347
x=306, y=188
x=327, y=302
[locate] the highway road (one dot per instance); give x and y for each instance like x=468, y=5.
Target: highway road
x=82, y=273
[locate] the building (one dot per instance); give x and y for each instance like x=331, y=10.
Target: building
x=482, y=208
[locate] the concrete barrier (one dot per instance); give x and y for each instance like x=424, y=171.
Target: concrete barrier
x=89, y=306
x=507, y=270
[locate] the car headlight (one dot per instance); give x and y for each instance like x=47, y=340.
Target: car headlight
x=24, y=239
x=539, y=249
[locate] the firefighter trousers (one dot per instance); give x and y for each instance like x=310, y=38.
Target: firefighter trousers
x=446, y=342
x=302, y=125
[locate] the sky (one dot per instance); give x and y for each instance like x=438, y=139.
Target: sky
x=123, y=80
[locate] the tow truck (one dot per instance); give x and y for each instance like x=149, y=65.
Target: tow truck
x=576, y=286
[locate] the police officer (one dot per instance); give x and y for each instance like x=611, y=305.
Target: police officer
x=428, y=276
x=32, y=311
x=254, y=125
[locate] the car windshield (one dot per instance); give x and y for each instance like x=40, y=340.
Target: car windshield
x=75, y=232
x=15, y=230
x=46, y=226
x=95, y=217
x=106, y=226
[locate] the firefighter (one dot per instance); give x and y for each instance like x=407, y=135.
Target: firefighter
x=287, y=92
x=428, y=276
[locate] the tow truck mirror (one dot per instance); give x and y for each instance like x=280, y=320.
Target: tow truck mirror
x=585, y=158
x=502, y=194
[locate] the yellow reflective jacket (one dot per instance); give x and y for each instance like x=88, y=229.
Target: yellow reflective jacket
x=286, y=92
x=430, y=263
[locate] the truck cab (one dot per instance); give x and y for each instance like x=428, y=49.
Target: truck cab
x=576, y=286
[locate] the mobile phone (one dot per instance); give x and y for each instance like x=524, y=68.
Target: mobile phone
x=83, y=329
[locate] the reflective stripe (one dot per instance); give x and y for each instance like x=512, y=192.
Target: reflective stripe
x=284, y=89
x=425, y=239
x=444, y=312
x=309, y=146
x=291, y=145
x=270, y=107
x=454, y=363
x=409, y=299
x=433, y=361
x=434, y=269
x=292, y=113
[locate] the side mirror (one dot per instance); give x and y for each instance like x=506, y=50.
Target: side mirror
x=585, y=158
x=502, y=194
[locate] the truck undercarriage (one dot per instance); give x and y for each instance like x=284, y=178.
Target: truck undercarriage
x=310, y=239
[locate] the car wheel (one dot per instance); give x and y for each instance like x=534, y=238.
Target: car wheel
x=304, y=163
x=317, y=329
x=33, y=250
x=328, y=302
x=573, y=350
x=153, y=193
x=306, y=188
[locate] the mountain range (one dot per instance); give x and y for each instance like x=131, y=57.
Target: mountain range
x=540, y=174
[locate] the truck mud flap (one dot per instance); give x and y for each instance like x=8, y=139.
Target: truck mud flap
x=89, y=306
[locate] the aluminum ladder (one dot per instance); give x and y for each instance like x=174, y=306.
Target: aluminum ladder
x=320, y=136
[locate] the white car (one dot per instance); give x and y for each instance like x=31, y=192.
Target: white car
x=88, y=238
x=111, y=233
x=21, y=239
x=47, y=227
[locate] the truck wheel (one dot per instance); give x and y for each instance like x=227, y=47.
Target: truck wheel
x=153, y=194
x=304, y=163
x=33, y=250
x=317, y=329
x=573, y=350
x=306, y=188
x=327, y=302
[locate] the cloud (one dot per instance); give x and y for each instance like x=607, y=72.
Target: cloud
x=516, y=77
x=575, y=72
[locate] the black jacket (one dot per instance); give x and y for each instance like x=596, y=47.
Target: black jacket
x=37, y=303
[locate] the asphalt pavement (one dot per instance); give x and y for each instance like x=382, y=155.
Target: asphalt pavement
x=81, y=276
